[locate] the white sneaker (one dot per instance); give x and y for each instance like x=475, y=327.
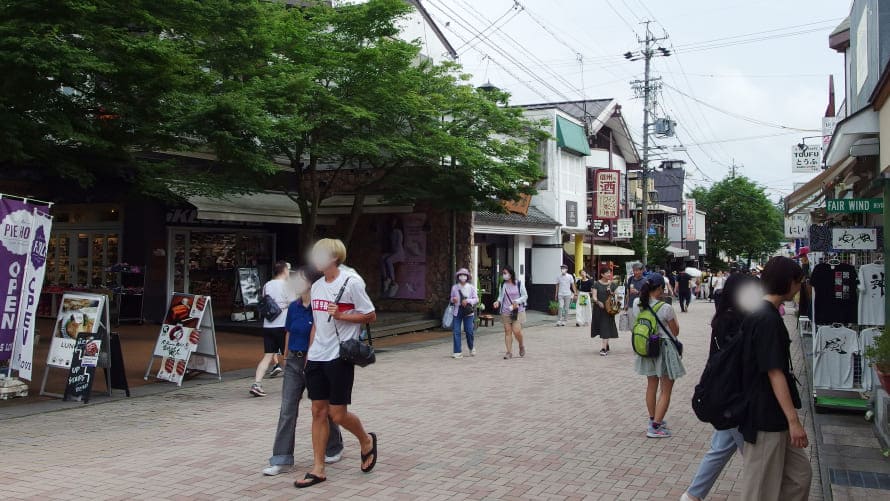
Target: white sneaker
x=685, y=497
x=473, y=352
x=333, y=459
x=457, y=355
x=276, y=469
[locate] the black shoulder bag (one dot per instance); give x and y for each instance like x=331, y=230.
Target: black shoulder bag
x=268, y=307
x=677, y=344
x=353, y=350
x=514, y=313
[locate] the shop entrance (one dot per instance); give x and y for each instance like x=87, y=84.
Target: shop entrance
x=205, y=262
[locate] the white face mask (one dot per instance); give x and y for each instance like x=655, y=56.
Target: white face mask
x=462, y=278
x=564, y=271
x=506, y=276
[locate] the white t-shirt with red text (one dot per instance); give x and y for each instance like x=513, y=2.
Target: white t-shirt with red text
x=326, y=344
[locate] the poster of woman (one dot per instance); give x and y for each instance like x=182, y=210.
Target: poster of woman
x=403, y=263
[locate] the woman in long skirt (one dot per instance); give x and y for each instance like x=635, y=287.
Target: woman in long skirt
x=603, y=324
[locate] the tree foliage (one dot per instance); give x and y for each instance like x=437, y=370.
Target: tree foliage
x=741, y=220
x=656, y=246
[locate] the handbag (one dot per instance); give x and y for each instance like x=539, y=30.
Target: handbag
x=624, y=322
x=268, y=308
x=514, y=313
x=448, y=316
x=354, y=350
x=468, y=310
x=612, y=306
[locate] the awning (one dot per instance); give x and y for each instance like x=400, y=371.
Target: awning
x=264, y=207
x=676, y=251
x=808, y=194
x=599, y=250
x=657, y=208
x=571, y=136
x=535, y=223
x=863, y=123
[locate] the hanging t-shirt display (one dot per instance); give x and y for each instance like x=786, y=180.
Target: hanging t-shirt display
x=871, y=294
x=833, y=362
x=835, y=293
x=866, y=339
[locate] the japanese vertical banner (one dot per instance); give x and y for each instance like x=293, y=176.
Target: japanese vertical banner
x=35, y=269
x=607, y=194
x=690, y=218
x=15, y=242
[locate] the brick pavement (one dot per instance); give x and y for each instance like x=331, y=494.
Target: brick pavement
x=561, y=424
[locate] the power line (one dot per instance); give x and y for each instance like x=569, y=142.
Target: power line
x=515, y=12
x=739, y=116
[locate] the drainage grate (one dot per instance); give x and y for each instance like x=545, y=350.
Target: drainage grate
x=854, y=478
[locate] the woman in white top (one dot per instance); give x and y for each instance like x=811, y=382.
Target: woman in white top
x=273, y=330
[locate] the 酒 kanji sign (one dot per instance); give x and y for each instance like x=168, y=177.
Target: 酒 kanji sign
x=606, y=183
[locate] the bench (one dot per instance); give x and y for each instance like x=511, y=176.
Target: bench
x=486, y=320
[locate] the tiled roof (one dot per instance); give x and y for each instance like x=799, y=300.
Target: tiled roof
x=535, y=218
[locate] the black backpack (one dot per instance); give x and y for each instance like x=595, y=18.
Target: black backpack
x=719, y=397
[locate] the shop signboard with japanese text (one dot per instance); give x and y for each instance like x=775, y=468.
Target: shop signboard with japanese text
x=854, y=239
x=797, y=225
x=625, y=228
x=606, y=194
x=404, y=256
x=32, y=284
x=828, y=126
x=806, y=158
x=689, y=218
x=180, y=335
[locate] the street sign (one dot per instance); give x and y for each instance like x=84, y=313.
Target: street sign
x=806, y=159
x=855, y=205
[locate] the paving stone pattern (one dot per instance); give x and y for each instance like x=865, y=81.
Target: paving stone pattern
x=561, y=424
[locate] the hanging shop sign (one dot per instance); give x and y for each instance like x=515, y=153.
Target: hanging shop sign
x=602, y=230
x=797, y=226
x=806, y=158
x=624, y=228
x=855, y=205
x=571, y=213
x=689, y=215
x=674, y=228
x=606, y=194
x=828, y=125
x=854, y=238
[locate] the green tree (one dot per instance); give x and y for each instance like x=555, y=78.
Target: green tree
x=741, y=220
x=657, y=246
x=89, y=84
x=352, y=109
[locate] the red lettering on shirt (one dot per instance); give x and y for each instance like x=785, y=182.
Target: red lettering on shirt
x=322, y=305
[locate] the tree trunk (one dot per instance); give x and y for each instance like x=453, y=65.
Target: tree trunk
x=358, y=208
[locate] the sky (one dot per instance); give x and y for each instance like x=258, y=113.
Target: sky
x=740, y=92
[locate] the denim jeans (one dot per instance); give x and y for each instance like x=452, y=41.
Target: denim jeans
x=723, y=445
x=467, y=322
x=565, y=304
x=291, y=393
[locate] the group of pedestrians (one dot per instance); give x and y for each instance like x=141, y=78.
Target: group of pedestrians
x=325, y=303
x=768, y=432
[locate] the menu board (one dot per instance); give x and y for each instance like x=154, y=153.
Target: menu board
x=78, y=313
x=84, y=359
x=180, y=335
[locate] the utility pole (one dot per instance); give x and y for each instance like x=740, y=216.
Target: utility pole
x=645, y=89
x=733, y=168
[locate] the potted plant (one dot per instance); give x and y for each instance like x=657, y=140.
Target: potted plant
x=553, y=307
x=879, y=356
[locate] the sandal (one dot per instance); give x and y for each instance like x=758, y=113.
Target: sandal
x=372, y=452
x=522, y=351
x=508, y=355
x=313, y=479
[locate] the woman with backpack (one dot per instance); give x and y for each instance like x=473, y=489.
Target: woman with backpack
x=603, y=324
x=511, y=303
x=273, y=330
x=464, y=298
x=724, y=327
x=665, y=368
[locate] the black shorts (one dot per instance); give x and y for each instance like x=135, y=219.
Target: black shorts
x=273, y=339
x=331, y=381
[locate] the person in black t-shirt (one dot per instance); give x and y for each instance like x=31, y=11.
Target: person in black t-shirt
x=775, y=465
x=684, y=292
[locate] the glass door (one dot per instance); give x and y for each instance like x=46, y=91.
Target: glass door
x=179, y=260
x=82, y=258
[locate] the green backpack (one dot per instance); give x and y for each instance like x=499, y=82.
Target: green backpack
x=645, y=338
